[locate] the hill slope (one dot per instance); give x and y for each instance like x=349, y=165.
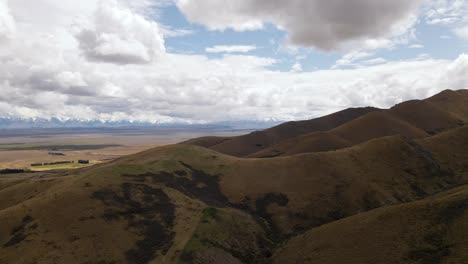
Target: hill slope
x=428, y=231
x=395, y=198
x=453, y=102
x=413, y=119
x=367, y=127
x=165, y=204
x=256, y=141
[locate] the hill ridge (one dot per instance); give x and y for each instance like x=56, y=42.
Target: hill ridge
x=185, y=203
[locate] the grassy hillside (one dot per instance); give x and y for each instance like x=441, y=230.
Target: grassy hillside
x=397, y=198
x=248, y=144
x=433, y=230
x=367, y=127
x=413, y=119
x=453, y=102
x=312, y=142
x=187, y=203
x=425, y=116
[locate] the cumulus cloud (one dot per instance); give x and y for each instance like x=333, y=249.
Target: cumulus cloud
x=120, y=36
x=220, y=15
x=231, y=49
x=326, y=25
x=52, y=67
x=7, y=23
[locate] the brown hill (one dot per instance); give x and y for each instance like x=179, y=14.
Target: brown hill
x=433, y=230
x=367, y=127
x=413, y=119
x=454, y=102
x=207, y=142
x=426, y=116
x=312, y=142
x=189, y=204
x=244, y=145
x=186, y=203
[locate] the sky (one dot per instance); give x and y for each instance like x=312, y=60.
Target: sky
x=203, y=61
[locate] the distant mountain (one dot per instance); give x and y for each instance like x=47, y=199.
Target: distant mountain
x=18, y=123
x=393, y=189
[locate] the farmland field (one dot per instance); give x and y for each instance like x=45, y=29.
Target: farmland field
x=21, y=148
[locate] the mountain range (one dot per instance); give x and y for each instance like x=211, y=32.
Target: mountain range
x=363, y=185
x=43, y=123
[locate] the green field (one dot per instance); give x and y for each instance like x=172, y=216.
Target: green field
x=60, y=166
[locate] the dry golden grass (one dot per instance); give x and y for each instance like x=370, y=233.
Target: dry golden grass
x=433, y=230
x=453, y=102
x=413, y=119
x=392, y=199
x=251, y=143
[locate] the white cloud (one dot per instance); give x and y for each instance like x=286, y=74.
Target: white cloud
x=120, y=36
x=374, y=61
x=7, y=23
x=297, y=67
x=70, y=79
x=231, y=49
x=351, y=58
x=462, y=32
x=446, y=12
x=170, y=32
x=416, y=46
x=220, y=15
x=326, y=25
x=46, y=73
x=453, y=14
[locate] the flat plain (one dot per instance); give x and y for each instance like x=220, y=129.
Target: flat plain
x=20, y=148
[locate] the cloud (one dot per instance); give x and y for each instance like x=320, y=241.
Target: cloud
x=70, y=79
x=326, y=25
x=416, y=46
x=48, y=70
x=170, y=32
x=220, y=15
x=231, y=49
x=351, y=59
x=297, y=67
x=453, y=14
x=7, y=23
x=462, y=32
x=445, y=12
x=120, y=36
x=374, y=61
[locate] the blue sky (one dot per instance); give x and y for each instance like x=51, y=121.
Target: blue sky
x=437, y=41
x=202, y=61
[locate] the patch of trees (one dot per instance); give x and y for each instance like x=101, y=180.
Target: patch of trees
x=13, y=171
x=51, y=163
x=59, y=163
x=56, y=154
